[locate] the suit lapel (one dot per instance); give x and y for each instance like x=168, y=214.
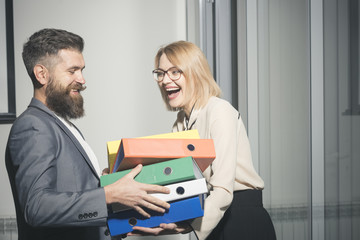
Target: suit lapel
x=37, y=104
x=77, y=144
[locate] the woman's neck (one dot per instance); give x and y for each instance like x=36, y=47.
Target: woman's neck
x=189, y=108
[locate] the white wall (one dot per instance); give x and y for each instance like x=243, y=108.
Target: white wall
x=121, y=40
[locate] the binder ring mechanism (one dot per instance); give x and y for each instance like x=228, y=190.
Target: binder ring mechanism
x=167, y=170
x=132, y=221
x=191, y=147
x=180, y=190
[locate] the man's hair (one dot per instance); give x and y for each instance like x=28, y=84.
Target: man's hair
x=192, y=62
x=43, y=46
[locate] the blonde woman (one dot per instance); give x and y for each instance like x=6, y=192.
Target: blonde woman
x=233, y=209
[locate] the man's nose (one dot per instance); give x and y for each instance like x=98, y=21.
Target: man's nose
x=80, y=78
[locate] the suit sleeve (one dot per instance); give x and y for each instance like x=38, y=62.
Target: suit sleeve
x=35, y=148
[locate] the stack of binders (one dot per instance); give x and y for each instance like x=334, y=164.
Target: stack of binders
x=172, y=162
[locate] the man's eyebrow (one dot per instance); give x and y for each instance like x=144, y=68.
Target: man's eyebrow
x=76, y=68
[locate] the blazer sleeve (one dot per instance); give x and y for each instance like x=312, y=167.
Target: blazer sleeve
x=50, y=194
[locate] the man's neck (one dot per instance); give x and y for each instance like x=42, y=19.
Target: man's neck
x=39, y=94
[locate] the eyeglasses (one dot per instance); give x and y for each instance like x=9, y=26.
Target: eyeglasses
x=173, y=73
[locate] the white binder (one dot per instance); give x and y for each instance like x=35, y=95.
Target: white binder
x=183, y=190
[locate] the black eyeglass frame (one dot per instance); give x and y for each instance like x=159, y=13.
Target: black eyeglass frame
x=154, y=72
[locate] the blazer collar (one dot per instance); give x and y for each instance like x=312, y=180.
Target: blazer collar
x=38, y=104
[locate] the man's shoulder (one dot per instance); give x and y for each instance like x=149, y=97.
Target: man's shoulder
x=35, y=116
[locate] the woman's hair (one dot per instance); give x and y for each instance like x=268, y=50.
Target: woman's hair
x=189, y=58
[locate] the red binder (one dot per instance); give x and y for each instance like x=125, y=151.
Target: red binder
x=133, y=151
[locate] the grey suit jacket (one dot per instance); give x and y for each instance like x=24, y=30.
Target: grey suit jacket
x=55, y=187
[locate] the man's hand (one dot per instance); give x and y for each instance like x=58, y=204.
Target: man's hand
x=163, y=229
x=105, y=171
x=131, y=193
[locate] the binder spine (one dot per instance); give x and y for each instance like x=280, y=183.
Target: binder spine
x=121, y=223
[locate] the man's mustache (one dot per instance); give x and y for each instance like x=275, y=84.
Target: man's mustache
x=77, y=86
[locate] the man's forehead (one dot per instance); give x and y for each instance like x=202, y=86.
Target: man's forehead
x=71, y=57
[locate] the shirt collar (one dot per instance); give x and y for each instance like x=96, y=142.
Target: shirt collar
x=189, y=123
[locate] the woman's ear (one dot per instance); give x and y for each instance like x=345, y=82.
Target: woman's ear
x=41, y=73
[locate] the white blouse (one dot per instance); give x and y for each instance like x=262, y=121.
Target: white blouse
x=232, y=168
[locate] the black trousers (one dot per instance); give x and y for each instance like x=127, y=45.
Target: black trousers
x=245, y=219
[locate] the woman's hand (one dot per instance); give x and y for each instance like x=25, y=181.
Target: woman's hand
x=163, y=229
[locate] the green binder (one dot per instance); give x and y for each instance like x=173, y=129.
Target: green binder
x=162, y=173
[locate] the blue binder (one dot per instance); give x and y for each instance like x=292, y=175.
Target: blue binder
x=123, y=222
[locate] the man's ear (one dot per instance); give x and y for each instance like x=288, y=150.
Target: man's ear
x=41, y=73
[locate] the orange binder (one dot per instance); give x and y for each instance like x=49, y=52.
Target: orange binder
x=113, y=146
x=133, y=151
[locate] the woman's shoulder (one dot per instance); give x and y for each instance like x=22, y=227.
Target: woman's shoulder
x=220, y=105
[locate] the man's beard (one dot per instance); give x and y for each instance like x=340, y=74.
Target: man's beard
x=60, y=101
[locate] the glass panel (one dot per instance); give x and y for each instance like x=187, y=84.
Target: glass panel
x=3, y=68
x=342, y=119
x=284, y=113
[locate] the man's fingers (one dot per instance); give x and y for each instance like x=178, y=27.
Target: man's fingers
x=150, y=188
x=153, y=204
x=142, y=212
x=135, y=171
x=105, y=171
x=156, y=204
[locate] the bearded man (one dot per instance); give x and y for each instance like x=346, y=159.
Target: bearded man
x=53, y=172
